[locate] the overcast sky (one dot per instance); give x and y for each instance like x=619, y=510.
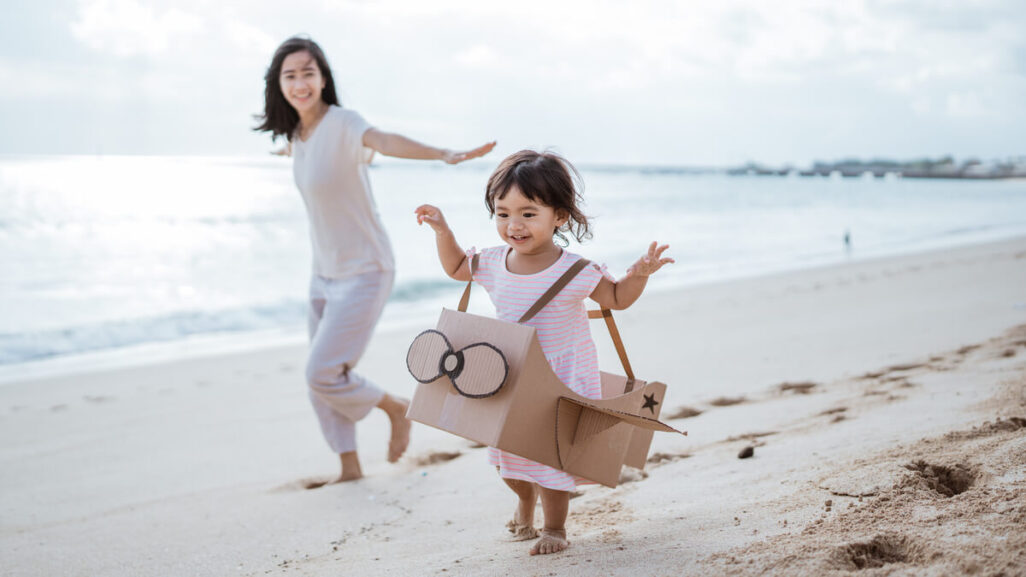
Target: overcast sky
x=681, y=83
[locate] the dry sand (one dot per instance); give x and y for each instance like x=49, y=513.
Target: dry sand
x=884, y=403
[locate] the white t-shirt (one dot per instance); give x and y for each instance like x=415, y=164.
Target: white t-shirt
x=330, y=170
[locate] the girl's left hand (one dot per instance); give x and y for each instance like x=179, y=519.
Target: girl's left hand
x=650, y=262
x=453, y=157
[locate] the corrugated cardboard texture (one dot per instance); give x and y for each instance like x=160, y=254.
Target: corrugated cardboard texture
x=534, y=414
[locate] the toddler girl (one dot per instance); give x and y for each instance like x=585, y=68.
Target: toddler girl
x=534, y=199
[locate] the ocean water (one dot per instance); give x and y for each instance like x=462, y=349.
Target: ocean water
x=115, y=254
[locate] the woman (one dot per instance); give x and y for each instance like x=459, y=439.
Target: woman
x=353, y=268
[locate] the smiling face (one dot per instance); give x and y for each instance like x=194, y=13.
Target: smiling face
x=301, y=81
x=526, y=225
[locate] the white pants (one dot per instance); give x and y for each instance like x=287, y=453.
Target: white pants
x=343, y=312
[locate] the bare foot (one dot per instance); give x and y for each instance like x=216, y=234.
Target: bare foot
x=351, y=470
x=317, y=483
x=521, y=532
x=344, y=477
x=395, y=408
x=522, y=524
x=552, y=541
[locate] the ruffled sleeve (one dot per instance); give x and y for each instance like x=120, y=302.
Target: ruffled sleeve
x=585, y=282
x=484, y=274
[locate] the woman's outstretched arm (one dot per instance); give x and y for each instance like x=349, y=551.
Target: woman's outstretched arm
x=399, y=146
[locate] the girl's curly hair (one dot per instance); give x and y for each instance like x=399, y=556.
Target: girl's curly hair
x=543, y=177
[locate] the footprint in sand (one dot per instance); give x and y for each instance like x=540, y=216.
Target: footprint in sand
x=657, y=459
x=683, y=413
x=304, y=484
x=631, y=475
x=801, y=388
x=97, y=398
x=905, y=367
x=838, y=414
x=727, y=401
x=435, y=458
x=750, y=437
x=872, y=375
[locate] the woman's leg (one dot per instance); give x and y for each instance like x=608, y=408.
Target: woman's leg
x=344, y=313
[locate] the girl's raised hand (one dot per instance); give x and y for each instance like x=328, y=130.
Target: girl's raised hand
x=432, y=216
x=454, y=157
x=650, y=262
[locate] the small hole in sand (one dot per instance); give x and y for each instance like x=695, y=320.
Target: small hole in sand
x=877, y=552
x=948, y=481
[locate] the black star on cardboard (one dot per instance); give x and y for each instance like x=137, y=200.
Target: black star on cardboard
x=650, y=403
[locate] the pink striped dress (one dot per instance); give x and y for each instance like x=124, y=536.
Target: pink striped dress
x=562, y=328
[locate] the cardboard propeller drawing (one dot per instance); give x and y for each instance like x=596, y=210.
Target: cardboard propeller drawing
x=487, y=380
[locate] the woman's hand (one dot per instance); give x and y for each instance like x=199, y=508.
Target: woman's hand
x=453, y=157
x=650, y=262
x=434, y=218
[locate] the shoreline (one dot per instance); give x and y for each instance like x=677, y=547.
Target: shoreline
x=884, y=360
x=214, y=344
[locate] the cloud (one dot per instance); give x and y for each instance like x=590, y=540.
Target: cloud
x=127, y=28
x=677, y=75
x=248, y=38
x=477, y=56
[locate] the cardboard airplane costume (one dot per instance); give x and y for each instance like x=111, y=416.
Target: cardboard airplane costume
x=487, y=380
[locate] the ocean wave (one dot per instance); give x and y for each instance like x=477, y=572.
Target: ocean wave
x=40, y=345
x=34, y=346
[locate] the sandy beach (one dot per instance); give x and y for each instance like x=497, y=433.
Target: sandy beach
x=884, y=400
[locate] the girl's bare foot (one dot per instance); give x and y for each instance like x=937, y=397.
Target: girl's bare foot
x=522, y=532
x=396, y=408
x=522, y=525
x=552, y=541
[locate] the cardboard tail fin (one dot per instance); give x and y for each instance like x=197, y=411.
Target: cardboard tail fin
x=579, y=422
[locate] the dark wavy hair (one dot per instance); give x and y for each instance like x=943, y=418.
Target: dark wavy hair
x=279, y=118
x=543, y=177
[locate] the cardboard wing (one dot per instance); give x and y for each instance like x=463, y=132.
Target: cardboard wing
x=488, y=381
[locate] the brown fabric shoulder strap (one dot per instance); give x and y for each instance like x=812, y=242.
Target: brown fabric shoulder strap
x=617, y=343
x=557, y=286
x=465, y=299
